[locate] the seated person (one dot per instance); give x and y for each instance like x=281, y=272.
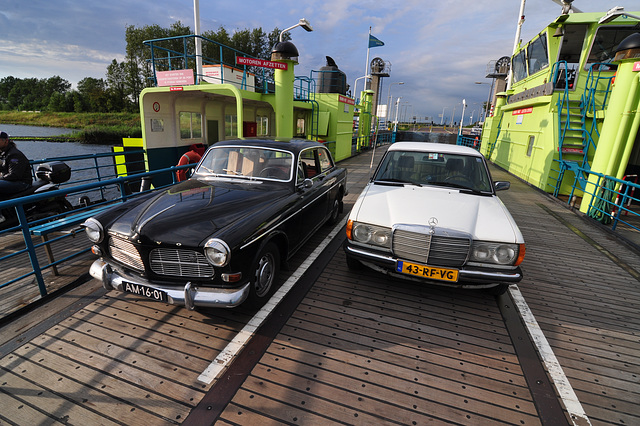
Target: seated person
x=15, y=170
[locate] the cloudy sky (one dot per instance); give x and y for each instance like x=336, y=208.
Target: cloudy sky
x=438, y=49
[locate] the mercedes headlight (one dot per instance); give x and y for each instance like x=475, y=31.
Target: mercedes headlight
x=497, y=253
x=94, y=230
x=370, y=234
x=217, y=252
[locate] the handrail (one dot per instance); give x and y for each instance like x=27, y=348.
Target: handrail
x=83, y=173
x=226, y=55
x=24, y=226
x=611, y=199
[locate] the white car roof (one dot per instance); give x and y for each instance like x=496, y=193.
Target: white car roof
x=433, y=147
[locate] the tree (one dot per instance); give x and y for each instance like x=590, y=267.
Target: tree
x=93, y=95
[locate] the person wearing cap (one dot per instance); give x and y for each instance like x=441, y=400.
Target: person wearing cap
x=190, y=157
x=15, y=170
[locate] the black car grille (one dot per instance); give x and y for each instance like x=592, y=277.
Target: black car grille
x=180, y=263
x=442, y=249
x=125, y=252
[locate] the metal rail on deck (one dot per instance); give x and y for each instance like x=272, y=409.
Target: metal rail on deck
x=26, y=228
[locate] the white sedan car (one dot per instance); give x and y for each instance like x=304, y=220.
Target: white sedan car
x=430, y=213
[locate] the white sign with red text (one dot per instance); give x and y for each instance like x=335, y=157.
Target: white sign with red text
x=175, y=78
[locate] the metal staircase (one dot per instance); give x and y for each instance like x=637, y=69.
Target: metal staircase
x=577, y=126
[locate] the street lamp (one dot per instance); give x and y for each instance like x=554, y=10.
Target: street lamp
x=486, y=109
x=302, y=23
x=355, y=84
x=389, y=100
x=442, y=116
x=395, y=124
x=464, y=106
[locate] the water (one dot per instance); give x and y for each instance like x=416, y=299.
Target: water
x=36, y=150
x=20, y=130
x=82, y=171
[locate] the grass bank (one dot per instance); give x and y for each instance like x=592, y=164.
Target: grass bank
x=95, y=128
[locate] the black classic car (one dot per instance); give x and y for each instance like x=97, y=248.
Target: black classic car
x=220, y=237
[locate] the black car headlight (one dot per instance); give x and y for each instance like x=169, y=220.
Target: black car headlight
x=497, y=253
x=217, y=252
x=369, y=234
x=94, y=230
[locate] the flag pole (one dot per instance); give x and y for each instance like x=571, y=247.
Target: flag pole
x=366, y=68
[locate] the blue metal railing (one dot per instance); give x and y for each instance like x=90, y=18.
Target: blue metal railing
x=166, y=56
x=92, y=168
x=25, y=227
x=470, y=141
x=612, y=200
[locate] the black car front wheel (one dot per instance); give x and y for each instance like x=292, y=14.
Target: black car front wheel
x=265, y=272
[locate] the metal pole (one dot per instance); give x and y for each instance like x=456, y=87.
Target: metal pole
x=516, y=41
x=196, y=13
x=464, y=106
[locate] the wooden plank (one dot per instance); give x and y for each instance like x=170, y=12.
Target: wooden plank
x=163, y=322
x=15, y=408
x=154, y=344
x=463, y=364
x=104, y=384
x=55, y=394
x=439, y=366
x=146, y=310
x=110, y=357
x=415, y=309
x=499, y=354
x=399, y=386
x=359, y=400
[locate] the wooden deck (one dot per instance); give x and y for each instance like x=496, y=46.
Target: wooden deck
x=351, y=348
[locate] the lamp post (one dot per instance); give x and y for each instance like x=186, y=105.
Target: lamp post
x=355, y=84
x=301, y=23
x=395, y=123
x=286, y=53
x=389, y=101
x=442, y=116
x=486, y=108
x=464, y=106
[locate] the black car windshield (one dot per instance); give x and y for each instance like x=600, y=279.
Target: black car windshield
x=240, y=162
x=434, y=168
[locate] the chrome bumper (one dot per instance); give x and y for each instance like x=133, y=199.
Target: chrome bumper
x=467, y=278
x=189, y=296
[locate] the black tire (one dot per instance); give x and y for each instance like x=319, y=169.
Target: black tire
x=354, y=264
x=335, y=210
x=265, y=272
x=499, y=289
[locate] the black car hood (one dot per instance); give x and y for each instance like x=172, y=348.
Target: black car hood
x=189, y=212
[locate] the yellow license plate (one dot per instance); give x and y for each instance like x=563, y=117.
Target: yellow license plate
x=425, y=271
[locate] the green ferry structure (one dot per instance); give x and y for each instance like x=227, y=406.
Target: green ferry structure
x=564, y=114
x=224, y=94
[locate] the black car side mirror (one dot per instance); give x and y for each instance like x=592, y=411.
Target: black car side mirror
x=501, y=185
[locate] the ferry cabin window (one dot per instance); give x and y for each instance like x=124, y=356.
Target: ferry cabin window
x=570, y=51
x=605, y=43
x=519, y=66
x=263, y=125
x=537, y=54
x=230, y=125
x=190, y=125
